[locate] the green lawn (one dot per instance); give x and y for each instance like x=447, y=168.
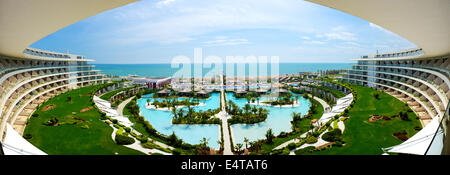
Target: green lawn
x=70, y=138
x=108, y=95
x=367, y=138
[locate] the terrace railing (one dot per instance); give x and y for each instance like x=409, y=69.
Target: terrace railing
x=444, y=130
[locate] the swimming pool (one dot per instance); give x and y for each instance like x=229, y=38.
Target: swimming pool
x=278, y=119
x=192, y=134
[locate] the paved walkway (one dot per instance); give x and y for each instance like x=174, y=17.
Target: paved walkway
x=123, y=104
x=226, y=133
x=324, y=104
x=320, y=141
x=326, y=114
x=137, y=145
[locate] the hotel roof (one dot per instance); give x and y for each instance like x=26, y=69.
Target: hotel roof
x=26, y=21
x=424, y=23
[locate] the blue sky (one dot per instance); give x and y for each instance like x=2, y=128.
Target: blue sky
x=155, y=31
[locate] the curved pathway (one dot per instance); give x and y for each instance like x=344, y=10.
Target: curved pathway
x=123, y=104
x=136, y=145
x=325, y=107
x=324, y=104
x=320, y=141
x=324, y=115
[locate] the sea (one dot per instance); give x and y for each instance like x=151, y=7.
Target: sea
x=167, y=70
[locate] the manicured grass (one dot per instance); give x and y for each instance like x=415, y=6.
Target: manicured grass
x=108, y=95
x=71, y=138
x=367, y=138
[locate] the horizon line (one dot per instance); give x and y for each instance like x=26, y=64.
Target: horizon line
x=226, y=63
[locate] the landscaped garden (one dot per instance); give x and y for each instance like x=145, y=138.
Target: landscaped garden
x=247, y=114
x=300, y=125
x=108, y=95
x=144, y=127
x=70, y=124
x=364, y=135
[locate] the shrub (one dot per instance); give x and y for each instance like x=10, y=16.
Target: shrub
x=316, y=134
x=143, y=139
x=404, y=116
x=305, y=150
x=103, y=116
x=120, y=132
x=85, y=127
x=114, y=121
x=127, y=129
x=116, y=126
x=176, y=151
x=35, y=115
x=338, y=144
x=123, y=140
x=376, y=96
x=27, y=136
x=291, y=146
x=333, y=135
x=311, y=140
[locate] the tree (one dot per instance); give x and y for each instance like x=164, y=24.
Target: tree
x=204, y=142
x=220, y=143
x=174, y=112
x=269, y=135
x=246, y=142
x=238, y=148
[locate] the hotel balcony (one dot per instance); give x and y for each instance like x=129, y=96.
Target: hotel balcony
x=25, y=83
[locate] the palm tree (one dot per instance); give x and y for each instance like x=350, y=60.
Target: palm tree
x=220, y=143
x=246, y=142
x=174, y=112
x=269, y=135
x=204, y=142
x=181, y=113
x=247, y=108
x=238, y=148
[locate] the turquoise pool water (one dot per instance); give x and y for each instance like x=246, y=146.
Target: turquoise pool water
x=192, y=134
x=278, y=119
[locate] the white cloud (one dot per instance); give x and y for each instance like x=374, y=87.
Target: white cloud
x=352, y=43
x=314, y=42
x=226, y=42
x=338, y=33
x=164, y=2
x=345, y=36
x=306, y=37
x=188, y=19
